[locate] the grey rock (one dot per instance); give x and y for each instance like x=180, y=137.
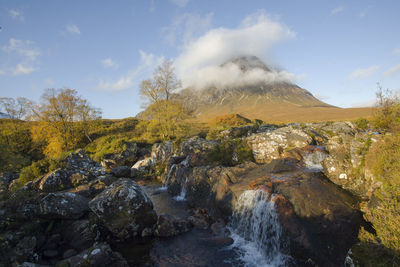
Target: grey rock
x=121, y=171
x=124, y=209
x=63, y=206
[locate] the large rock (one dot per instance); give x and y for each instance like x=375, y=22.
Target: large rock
x=162, y=152
x=100, y=255
x=63, y=206
x=79, y=162
x=124, y=209
x=57, y=180
x=319, y=220
x=270, y=145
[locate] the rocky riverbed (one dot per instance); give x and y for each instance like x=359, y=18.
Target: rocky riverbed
x=297, y=203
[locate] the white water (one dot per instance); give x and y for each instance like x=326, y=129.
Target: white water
x=256, y=231
x=182, y=195
x=313, y=160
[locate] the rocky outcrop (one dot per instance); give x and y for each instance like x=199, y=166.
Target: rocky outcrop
x=63, y=206
x=55, y=181
x=124, y=209
x=162, y=152
x=270, y=145
x=99, y=255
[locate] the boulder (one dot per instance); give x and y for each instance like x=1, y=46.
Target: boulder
x=89, y=190
x=55, y=181
x=197, y=145
x=319, y=220
x=79, y=162
x=100, y=255
x=121, y=171
x=63, y=206
x=270, y=145
x=124, y=209
x=162, y=152
x=79, y=234
x=168, y=225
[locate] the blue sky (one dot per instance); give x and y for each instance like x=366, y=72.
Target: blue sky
x=338, y=50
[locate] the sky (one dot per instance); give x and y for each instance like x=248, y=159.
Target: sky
x=338, y=50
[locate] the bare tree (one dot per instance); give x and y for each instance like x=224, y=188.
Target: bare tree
x=16, y=108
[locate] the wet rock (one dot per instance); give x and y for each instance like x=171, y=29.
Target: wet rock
x=267, y=146
x=319, y=219
x=281, y=165
x=100, y=255
x=63, y=206
x=218, y=241
x=80, y=234
x=124, y=209
x=168, y=225
x=121, y=171
x=50, y=253
x=69, y=253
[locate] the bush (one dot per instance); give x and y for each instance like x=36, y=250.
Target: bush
x=39, y=168
x=230, y=153
x=230, y=120
x=362, y=123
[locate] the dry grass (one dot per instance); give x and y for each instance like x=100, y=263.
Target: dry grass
x=284, y=112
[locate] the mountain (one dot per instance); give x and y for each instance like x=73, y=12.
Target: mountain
x=260, y=92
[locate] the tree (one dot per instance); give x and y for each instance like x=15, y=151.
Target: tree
x=387, y=115
x=16, y=108
x=166, y=114
x=65, y=118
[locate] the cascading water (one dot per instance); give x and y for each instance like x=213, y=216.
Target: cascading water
x=165, y=185
x=313, y=160
x=182, y=195
x=256, y=231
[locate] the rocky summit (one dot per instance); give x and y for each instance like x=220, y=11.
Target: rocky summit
x=292, y=198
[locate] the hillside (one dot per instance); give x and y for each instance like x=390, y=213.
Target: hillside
x=269, y=98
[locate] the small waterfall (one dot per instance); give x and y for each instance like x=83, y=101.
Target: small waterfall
x=165, y=185
x=313, y=160
x=182, y=195
x=256, y=231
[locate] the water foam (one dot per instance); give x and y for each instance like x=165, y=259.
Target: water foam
x=256, y=231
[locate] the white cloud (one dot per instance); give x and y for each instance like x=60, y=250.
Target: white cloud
x=21, y=69
x=16, y=14
x=186, y=27
x=147, y=64
x=256, y=35
x=392, y=71
x=23, y=48
x=180, y=3
x=109, y=63
x=337, y=10
x=396, y=51
x=26, y=53
x=365, y=104
x=73, y=29
x=364, y=73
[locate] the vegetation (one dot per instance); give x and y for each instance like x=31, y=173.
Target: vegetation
x=231, y=152
x=383, y=211
x=167, y=116
x=230, y=120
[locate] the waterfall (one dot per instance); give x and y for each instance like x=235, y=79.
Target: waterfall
x=182, y=195
x=313, y=160
x=256, y=231
x=165, y=185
